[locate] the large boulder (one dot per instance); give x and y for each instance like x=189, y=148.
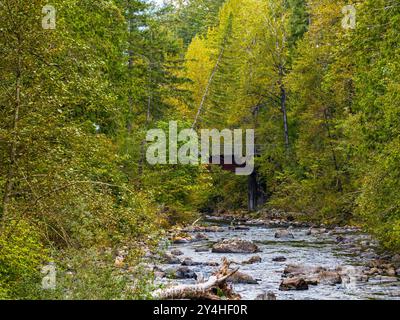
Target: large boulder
x=293, y=284
x=235, y=245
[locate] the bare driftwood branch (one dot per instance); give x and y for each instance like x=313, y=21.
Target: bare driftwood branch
x=208, y=290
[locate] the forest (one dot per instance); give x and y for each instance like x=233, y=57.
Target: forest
x=83, y=81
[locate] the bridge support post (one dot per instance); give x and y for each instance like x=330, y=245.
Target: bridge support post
x=256, y=192
x=252, y=190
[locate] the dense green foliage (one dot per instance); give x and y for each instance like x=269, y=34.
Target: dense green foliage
x=336, y=159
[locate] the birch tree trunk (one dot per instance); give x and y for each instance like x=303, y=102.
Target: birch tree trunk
x=207, y=89
x=283, y=99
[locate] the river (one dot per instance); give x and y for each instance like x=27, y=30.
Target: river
x=320, y=249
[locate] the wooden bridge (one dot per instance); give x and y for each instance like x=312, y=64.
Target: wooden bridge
x=256, y=185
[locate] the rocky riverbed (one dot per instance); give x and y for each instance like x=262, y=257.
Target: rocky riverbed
x=283, y=260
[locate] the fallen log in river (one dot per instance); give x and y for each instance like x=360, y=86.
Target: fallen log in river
x=215, y=288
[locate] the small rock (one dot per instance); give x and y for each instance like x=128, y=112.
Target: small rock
x=215, y=229
x=190, y=262
x=385, y=279
x=200, y=236
x=312, y=282
x=368, y=255
x=255, y=222
x=206, y=229
x=169, y=259
x=202, y=249
x=158, y=272
x=396, y=259
x=279, y=259
x=341, y=239
x=284, y=234
x=181, y=273
x=398, y=271
x=266, y=296
x=119, y=261
x=315, y=231
x=314, y=275
x=180, y=240
x=235, y=246
x=391, y=272
x=253, y=259
x=378, y=263
x=176, y=252
x=372, y=271
x=211, y=264
x=329, y=278
x=293, y=284
x=240, y=277
x=365, y=243
x=290, y=218
x=311, y=231
x=295, y=270
x=238, y=228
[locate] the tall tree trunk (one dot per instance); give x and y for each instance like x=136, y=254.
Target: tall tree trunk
x=334, y=158
x=207, y=89
x=284, y=112
x=283, y=99
x=9, y=185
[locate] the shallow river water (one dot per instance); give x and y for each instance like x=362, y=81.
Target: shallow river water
x=309, y=250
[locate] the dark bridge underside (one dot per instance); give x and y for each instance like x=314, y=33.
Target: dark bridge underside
x=226, y=163
x=256, y=186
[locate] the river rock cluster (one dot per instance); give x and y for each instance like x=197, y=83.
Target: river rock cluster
x=294, y=276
